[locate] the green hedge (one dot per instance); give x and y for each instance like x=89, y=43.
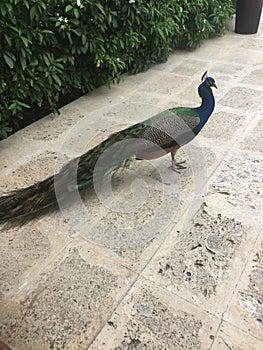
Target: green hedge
x=48, y=48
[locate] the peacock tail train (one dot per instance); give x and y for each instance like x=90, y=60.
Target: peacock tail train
x=33, y=199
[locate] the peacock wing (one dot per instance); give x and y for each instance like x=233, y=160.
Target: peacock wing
x=172, y=127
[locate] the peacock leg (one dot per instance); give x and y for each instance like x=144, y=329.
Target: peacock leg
x=176, y=166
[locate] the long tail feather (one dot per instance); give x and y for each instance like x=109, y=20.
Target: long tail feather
x=29, y=201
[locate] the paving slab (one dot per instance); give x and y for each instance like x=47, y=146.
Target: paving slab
x=151, y=318
x=245, y=310
x=231, y=337
x=202, y=261
x=69, y=303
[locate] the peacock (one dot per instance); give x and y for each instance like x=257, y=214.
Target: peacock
x=163, y=133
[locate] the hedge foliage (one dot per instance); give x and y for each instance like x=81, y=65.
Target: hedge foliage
x=50, y=47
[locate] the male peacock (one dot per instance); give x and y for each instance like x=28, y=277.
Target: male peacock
x=164, y=133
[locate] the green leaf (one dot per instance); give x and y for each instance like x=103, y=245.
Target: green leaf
x=23, y=62
x=43, y=5
x=76, y=12
x=32, y=12
x=22, y=104
x=26, y=3
x=83, y=39
x=46, y=59
x=16, y=29
x=161, y=33
x=11, y=55
x=25, y=41
x=76, y=32
x=68, y=8
x=3, y=10
x=57, y=79
x=85, y=47
x=8, y=39
x=59, y=65
x=121, y=44
x=46, y=31
x=12, y=106
x=4, y=131
x=41, y=37
x=69, y=38
x=9, y=61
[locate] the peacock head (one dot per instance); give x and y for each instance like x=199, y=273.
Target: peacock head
x=208, y=81
x=204, y=88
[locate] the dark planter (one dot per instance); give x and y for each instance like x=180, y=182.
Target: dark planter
x=248, y=14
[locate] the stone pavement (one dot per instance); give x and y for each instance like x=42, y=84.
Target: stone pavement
x=164, y=260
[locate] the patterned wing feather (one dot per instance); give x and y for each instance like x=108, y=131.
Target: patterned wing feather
x=172, y=127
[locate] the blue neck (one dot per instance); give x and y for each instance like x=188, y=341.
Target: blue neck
x=207, y=106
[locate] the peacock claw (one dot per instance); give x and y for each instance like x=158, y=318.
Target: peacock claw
x=177, y=166
x=174, y=169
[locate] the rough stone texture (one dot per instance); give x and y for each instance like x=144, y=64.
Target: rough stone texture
x=240, y=180
x=240, y=55
x=251, y=299
x=255, y=76
x=190, y=67
x=243, y=98
x=254, y=140
x=225, y=131
x=28, y=172
x=67, y=304
x=154, y=326
x=230, y=68
x=150, y=318
x=165, y=84
x=51, y=128
x=120, y=269
x=133, y=224
x=245, y=310
x=19, y=251
x=202, y=253
x=231, y=338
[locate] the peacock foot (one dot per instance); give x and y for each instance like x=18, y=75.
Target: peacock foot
x=177, y=166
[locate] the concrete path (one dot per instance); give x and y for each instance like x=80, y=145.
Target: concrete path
x=162, y=261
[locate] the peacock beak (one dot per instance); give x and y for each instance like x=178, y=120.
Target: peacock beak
x=214, y=85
